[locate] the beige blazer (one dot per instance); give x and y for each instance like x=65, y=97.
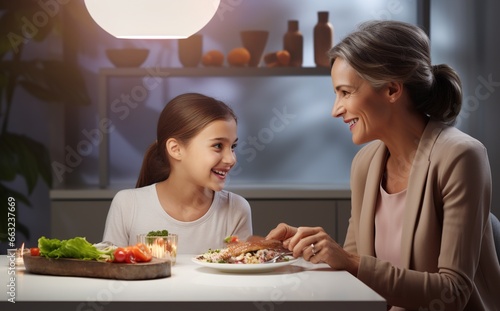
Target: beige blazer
x=447, y=249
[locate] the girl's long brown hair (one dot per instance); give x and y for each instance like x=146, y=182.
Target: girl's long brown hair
x=182, y=118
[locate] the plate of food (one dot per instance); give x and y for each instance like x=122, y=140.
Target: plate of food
x=251, y=256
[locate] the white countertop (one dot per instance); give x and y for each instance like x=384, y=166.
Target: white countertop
x=249, y=191
x=298, y=284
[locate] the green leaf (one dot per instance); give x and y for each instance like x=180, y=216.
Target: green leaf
x=39, y=91
x=66, y=80
x=27, y=163
x=77, y=247
x=42, y=159
x=55, y=81
x=18, y=21
x=6, y=192
x=8, y=24
x=8, y=160
x=27, y=157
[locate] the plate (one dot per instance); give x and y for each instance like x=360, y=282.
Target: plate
x=245, y=268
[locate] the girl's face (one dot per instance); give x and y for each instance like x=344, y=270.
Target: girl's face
x=361, y=106
x=209, y=156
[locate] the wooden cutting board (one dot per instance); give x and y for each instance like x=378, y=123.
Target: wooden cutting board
x=154, y=269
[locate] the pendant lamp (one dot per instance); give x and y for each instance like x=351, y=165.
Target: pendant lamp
x=152, y=19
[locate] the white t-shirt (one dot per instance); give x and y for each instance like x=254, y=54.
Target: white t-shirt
x=138, y=211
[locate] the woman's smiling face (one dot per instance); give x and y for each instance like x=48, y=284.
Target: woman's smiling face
x=362, y=107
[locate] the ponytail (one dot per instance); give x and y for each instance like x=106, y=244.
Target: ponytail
x=155, y=167
x=443, y=99
x=446, y=95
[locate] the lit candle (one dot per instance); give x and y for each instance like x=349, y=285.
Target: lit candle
x=19, y=256
x=163, y=249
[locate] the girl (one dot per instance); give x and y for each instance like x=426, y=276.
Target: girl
x=181, y=180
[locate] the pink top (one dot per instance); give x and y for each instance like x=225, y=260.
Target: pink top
x=389, y=226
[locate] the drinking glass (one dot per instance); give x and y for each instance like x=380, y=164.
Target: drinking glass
x=161, y=247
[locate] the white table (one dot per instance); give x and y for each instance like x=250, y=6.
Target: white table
x=299, y=286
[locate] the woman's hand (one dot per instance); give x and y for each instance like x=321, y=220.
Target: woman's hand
x=316, y=246
x=282, y=232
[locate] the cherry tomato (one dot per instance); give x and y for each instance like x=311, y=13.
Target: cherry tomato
x=35, y=251
x=132, y=254
x=141, y=253
x=231, y=239
x=119, y=255
x=129, y=256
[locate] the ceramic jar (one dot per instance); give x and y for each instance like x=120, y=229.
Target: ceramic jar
x=190, y=50
x=255, y=42
x=323, y=40
x=293, y=42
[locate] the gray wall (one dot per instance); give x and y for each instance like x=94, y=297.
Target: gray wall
x=466, y=37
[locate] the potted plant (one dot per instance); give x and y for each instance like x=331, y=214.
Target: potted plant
x=49, y=80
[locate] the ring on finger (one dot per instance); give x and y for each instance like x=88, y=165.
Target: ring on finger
x=313, y=249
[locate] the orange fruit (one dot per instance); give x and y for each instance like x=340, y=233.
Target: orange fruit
x=277, y=59
x=271, y=58
x=213, y=58
x=283, y=57
x=238, y=57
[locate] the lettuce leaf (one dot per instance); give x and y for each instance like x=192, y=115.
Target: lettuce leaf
x=78, y=248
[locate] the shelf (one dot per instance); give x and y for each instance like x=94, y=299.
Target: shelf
x=216, y=71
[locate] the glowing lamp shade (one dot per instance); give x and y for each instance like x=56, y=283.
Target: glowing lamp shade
x=152, y=19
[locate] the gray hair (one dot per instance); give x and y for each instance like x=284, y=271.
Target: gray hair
x=384, y=51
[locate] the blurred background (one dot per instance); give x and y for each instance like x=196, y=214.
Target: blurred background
x=309, y=150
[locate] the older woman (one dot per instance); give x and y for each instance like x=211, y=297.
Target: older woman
x=419, y=232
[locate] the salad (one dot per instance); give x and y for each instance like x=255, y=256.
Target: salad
x=252, y=257
x=255, y=250
x=80, y=248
